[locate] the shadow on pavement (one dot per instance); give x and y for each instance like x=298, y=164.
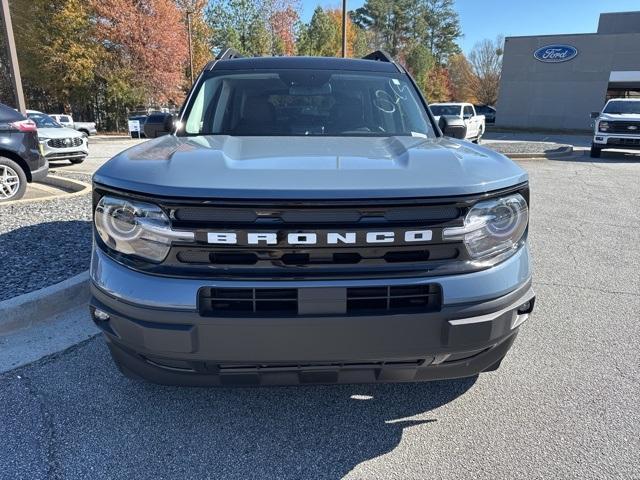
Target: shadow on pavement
x=607, y=156
x=106, y=426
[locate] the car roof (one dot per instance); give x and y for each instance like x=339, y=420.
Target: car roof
x=455, y=104
x=8, y=114
x=623, y=100
x=311, y=63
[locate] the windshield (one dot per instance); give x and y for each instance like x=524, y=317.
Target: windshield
x=43, y=121
x=619, y=108
x=438, y=110
x=306, y=102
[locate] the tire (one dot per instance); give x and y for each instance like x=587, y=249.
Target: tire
x=84, y=133
x=13, y=180
x=75, y=161
x=595, y=152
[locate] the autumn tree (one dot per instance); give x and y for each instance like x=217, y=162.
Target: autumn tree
x=283, y=23
x=486, y=63
x=462, y=79
x=200, y=33
x=145, y=39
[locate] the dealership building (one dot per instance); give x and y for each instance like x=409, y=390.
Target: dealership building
x=556, y=81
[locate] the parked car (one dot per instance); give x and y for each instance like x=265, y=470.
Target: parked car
x=475, y=123
x=158, y=124
x=617, y=126
x=21, y=157
x=59, y=143
x=488, y=111
x=87, y=128
x=309, y=222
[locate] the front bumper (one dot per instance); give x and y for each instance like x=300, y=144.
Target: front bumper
x=621, y=141
x=156, y=334
x=53, y=154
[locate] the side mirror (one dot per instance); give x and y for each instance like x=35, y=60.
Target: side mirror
x=595, y=114
x=169, y=121
x=452, y=126
x=467, y=116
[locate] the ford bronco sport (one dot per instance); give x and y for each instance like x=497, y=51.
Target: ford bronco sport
x=308, y=221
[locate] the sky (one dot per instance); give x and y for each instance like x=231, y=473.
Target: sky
x=482, y=19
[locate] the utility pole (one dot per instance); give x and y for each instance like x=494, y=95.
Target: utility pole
x=189, y=13
x=13, y=56
x=344, y=28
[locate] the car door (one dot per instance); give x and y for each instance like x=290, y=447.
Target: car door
x=471, y=121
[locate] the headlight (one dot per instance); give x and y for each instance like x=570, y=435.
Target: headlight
x=492, y=226
x=136, y=228
x=603, y=126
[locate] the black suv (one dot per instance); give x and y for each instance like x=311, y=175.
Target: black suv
x=21, y=160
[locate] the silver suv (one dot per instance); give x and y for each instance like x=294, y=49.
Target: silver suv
x=308, y=221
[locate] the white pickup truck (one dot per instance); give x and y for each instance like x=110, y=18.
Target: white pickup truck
x=618, y=126
x=86, y=128
x=475, y=123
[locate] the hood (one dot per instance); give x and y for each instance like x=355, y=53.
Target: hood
x=308, y=168
x=622, y=117
x=63, y=132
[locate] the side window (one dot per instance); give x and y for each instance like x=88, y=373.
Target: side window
x=468, y=111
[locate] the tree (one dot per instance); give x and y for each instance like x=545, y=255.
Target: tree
x=389, y=20
x=283, y=24
x=239, y=24
x=200, y=34
x=486, y=62
x=145, y=40
x=318, y=37
x=462, y=79
x=437, y=26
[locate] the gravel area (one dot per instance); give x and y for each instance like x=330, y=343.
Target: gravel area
x=523, y=147
x=43, y=243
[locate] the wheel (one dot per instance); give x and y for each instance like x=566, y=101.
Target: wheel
x=76, y=160
x=595, y=152
x=85, y=133
x=13, y=180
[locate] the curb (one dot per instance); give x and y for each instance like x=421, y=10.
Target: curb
x=73, y=188
x=111, y=138
x=557, y=153
x=25, y=310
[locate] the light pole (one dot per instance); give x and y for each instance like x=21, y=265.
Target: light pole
x=189, y=13
x=344, y=28
x=13, y=56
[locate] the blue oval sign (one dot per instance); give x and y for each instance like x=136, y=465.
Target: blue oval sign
x=555, y=53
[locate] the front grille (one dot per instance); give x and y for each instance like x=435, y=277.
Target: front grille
x=632, y=142
x=630, y=128
x=225, y=233
x=319, y=260
x=64, y=142
x=265, y=302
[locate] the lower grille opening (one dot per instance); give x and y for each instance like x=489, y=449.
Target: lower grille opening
x=395, y=299
x=247, y=302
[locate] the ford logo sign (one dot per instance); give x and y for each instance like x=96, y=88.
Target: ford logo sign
x=555, y=53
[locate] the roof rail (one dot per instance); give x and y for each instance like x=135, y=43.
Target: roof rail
x=382, y=56
x=225, y=54
x=228, y=54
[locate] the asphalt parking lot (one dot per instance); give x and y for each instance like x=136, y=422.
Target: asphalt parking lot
x=564, y=404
